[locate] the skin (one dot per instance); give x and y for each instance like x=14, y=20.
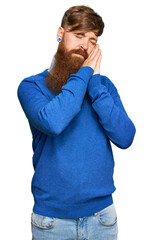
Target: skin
x=82, y=40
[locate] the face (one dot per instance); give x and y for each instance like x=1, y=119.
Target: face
x=72, y=51
x=79, y=41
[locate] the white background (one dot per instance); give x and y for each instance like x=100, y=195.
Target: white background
x=28, y=42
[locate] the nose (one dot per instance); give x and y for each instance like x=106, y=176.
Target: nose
x=84, y=44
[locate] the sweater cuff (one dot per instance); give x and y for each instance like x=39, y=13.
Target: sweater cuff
x=85, y=73
x=95, y=87
x=94, y=82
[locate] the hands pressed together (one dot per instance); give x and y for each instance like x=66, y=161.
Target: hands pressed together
x=94, y=59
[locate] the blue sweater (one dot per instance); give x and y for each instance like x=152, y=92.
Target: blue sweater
x=73, y=158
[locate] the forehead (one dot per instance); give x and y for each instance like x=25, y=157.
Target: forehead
x=90, y=34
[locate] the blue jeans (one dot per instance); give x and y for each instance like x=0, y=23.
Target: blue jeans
x=98, y=226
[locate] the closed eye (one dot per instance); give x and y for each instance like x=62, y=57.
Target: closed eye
x=78, y=36
x=81, y=35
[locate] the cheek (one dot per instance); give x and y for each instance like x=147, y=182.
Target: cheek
x=70, y=43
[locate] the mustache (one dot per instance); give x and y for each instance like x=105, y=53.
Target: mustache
x=81, y=52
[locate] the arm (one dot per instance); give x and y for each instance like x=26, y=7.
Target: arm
x=112, y=115
x=52, y=117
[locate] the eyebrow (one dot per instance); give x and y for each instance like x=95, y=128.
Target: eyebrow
x=83, y=34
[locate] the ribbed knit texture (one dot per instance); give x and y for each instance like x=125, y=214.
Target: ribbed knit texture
x=73, y=158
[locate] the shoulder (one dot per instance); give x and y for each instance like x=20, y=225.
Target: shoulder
x=33, y=79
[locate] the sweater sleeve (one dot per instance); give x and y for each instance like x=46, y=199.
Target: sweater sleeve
x=112, y=116
x=52, y=116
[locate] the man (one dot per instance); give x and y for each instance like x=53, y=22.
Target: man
x=74, y=113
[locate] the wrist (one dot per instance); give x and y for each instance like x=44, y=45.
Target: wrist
x=96, y=72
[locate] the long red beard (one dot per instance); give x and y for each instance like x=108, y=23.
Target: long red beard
x=65, y=64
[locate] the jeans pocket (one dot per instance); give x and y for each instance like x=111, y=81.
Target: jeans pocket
x=42, y=222
x=108, y=216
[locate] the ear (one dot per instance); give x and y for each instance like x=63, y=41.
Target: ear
x=60, y=32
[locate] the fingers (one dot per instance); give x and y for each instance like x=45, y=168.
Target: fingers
x=94, y=51
x=98, y=63
x=99, y=60
x=98, y=54
x=91, y=61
